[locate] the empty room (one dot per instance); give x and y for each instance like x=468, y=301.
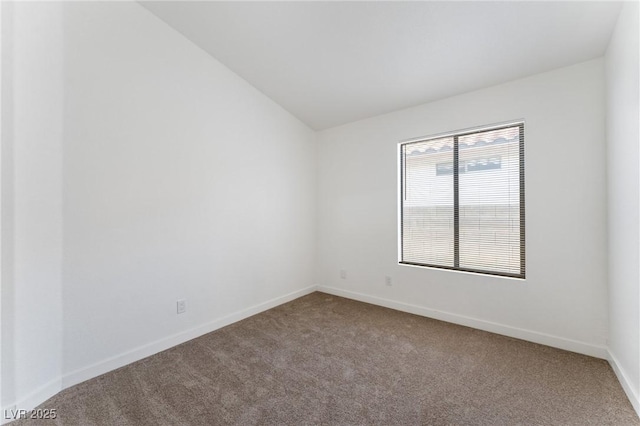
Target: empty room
x=320, y=213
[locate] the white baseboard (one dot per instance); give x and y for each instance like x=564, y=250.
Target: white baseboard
x=518, y=333
x=32, y=400
x=149, y=349
x=623, y=378
x=67, y=380
x=50, y=389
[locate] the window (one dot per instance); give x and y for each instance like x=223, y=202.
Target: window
x=462, y=201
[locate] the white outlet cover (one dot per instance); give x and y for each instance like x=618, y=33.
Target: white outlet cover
x=181, y=306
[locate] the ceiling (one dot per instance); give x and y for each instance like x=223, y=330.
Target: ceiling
x=330, y=63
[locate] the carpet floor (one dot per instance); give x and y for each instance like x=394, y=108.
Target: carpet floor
x=323, y=359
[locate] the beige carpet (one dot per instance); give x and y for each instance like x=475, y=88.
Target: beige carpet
x=322, y=359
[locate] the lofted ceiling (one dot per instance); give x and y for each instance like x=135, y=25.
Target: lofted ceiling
x=330, y=63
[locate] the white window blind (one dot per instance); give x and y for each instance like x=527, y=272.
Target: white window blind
x=462, y=201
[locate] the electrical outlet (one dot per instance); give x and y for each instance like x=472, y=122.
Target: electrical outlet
x=387, y=281
x=343, y=274
x=182, y=306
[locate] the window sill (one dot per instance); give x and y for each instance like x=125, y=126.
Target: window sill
x=462, y=271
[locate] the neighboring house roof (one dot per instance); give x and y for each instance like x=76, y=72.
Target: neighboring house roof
x=510, y=135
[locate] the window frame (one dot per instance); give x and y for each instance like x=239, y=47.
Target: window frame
x=521, y=172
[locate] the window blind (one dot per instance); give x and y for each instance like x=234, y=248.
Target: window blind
x=462, y=201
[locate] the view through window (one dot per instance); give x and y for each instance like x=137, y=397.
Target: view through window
x=462, y=201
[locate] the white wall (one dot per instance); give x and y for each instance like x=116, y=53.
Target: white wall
x=181, y=181
x=623, y=165
x=165, y=175
x=563, y=301
x=31, y=202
